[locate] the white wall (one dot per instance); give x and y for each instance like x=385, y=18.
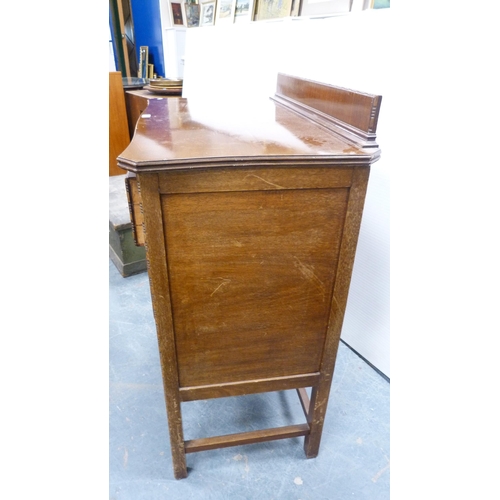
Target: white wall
x=352, y=51
x=174, y=40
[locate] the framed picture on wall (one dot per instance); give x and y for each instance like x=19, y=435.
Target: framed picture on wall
x=177, y=14
x=207, y=14
x=192, y=14
x=243, y=11
x=225, y=12
x=272, y=9
x=295, y=10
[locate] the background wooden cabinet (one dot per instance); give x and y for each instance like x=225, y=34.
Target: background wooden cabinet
x=119, y=137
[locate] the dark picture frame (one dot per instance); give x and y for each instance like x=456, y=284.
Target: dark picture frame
x=177, y=14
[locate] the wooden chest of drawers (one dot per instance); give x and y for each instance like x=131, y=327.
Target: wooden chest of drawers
x=251, y=214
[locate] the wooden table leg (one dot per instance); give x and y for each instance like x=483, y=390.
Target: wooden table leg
x=315, y=419
x=176, y=437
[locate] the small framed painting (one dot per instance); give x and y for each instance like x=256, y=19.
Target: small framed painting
x=272, y=9
x=225, y=12
x=207, y=14
x=177, y=15
x=192, y=14
x=243, y=11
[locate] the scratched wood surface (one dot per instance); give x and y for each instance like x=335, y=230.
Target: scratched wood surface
x=251, y=276
x=158, y=279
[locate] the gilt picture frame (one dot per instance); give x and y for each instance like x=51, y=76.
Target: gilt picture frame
x=272, y=9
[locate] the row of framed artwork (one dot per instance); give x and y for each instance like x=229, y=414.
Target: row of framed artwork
x=194, y=13
x=210, y=12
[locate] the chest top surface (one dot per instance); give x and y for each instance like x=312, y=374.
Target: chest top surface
x=201, y=132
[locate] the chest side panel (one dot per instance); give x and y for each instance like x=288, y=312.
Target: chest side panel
x=251, y=273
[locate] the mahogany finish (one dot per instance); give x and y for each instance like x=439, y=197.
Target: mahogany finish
x=351, y=113
x=137, y=101
x=251, y=220
x=136, y=105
